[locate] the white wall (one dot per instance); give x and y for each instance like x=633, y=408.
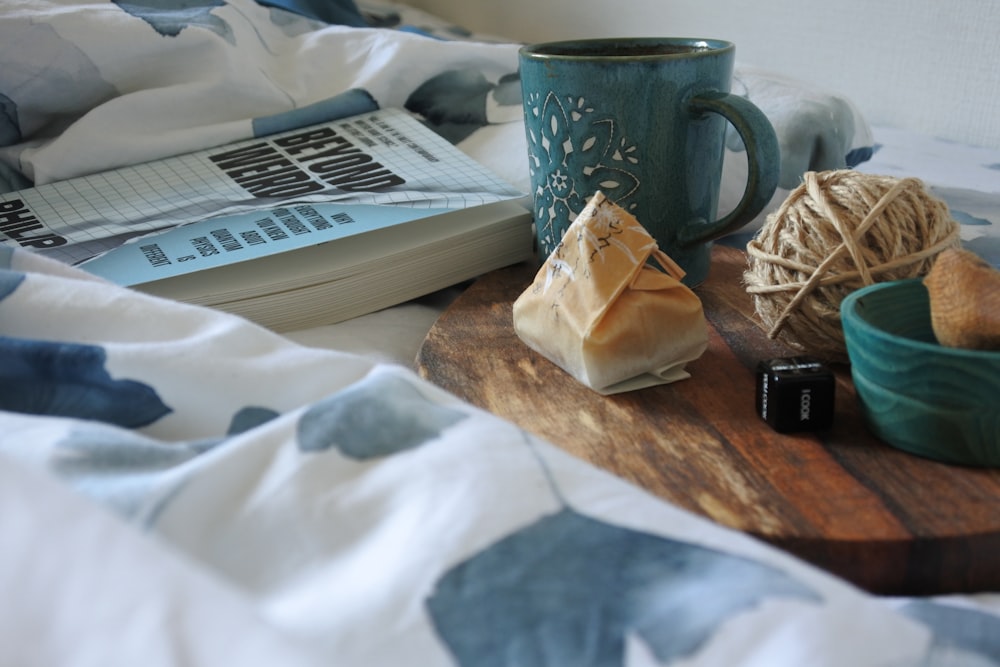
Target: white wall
x=932, y=66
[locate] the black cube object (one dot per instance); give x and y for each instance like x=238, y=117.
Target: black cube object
x=795, y=394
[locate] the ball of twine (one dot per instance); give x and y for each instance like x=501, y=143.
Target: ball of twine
x=836, y=232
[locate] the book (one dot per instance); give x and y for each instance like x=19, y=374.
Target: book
x=295, y=229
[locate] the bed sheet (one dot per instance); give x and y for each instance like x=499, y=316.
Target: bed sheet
x=181, y=487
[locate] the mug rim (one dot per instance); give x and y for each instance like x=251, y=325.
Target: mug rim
x=564, y=49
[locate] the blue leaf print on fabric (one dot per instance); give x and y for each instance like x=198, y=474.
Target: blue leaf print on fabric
x=569, y=590
x=455, y=96
x=249, y=418
x=987, y=247
x=961, y=636
x=10, y=128
x=856, y=156
x=9, y=280
x=964, y=218
x=133, y=475
x=968, y=207
x=379, y=416
x=975, y=210
x=336, y=12
x=70, y=380
x=454, y=103
x=348, y=103
x=170, y=17
x=11, y=179
x=47, y=67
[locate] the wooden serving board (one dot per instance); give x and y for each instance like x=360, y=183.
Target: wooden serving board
x=883, y=519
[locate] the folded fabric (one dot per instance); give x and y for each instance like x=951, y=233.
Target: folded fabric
x=88, y=86
x=817, y=130
x=338, y=12
x=179, y=486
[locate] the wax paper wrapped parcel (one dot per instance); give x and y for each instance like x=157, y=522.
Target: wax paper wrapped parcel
x=609, y=308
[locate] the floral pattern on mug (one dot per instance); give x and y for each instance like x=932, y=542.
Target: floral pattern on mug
x=573, y=153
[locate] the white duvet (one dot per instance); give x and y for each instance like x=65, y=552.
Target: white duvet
x=181, y=487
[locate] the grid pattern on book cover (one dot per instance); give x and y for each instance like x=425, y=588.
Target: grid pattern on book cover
x=99, y=212
x=95, y=212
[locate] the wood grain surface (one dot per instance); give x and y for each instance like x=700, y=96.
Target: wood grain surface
x=888, y=521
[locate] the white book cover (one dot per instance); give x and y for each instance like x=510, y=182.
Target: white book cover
x=312, y=184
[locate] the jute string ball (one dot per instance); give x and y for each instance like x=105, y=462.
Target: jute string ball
x=836, y=232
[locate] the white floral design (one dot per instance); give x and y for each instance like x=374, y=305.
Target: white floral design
x=573, y=152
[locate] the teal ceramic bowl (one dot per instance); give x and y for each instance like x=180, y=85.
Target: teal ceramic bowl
x=922, y=397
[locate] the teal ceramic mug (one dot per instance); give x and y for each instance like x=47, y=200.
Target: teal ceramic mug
x=642, y=120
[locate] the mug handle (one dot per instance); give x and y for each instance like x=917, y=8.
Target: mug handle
x=763, y=163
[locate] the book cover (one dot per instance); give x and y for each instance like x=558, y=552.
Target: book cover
x=385, y=158
x=364, y=177
x=215, y=242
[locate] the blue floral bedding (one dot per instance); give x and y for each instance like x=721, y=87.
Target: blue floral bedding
x=181, y=487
